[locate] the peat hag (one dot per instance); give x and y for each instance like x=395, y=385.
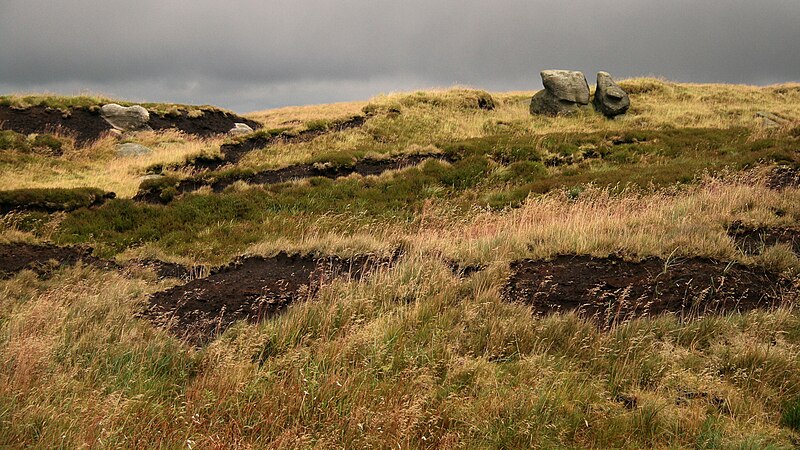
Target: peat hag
x=232, y=153
x=86, y=124
x=252, y=289
x=754, y=240
x=42, y=259
x=50, y=200
x=611, y=290
x=155, y=192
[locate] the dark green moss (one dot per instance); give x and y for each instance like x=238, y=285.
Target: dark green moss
x=270, y=133
x=11, y=140
x=505, y=199
x=227, y=175
x=39, y=143
x=158, y=184
x=503, y=148
x=458, y=99
x=791, y=415
x=525, y=171
x=48, y=141
x=318, y=125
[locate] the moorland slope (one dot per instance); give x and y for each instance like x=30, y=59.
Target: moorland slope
x=436, y=269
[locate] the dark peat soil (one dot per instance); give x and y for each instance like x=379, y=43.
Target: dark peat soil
x=252, y=289
x=611, y=290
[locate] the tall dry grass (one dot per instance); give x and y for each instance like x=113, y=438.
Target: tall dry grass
x=97, y=164
x=687, y=221
x=411, y=357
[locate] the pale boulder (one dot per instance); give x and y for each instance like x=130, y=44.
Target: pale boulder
x=131, y=118
x=610, y=99
x=131, y=149
x=240, y=129
x=565, y=92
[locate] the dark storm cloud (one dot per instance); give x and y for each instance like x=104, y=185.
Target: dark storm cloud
x=254, y=54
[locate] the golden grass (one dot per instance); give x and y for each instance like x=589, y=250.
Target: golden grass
x=436, y=116
x=298, y=116
x=98, y=166
x=655, y=103
x=411, y=356
x=439, y=118
x=692, y=221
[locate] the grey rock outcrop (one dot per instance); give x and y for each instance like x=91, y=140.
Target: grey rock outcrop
x=565, y=92
x=132, y=149
x=150, y=177
x=610, y=99
x=567, y=85
x=771, y=120
x=131, y=118
x=240, y=129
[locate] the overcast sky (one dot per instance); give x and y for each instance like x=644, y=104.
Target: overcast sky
x=251, y=55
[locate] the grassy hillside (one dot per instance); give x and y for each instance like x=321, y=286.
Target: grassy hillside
x=427, y=351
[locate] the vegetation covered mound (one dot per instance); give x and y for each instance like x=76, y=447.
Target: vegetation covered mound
x=39, y=143
x=51, y=199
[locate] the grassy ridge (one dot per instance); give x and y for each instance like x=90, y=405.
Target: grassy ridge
x=493, y=172
x=50, y=200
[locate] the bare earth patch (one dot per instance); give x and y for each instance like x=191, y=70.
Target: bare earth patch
x=88, y=125
x=753, y=240
x=251, y=289
x=783, y=177
x=16, y=257
x=364, y=167
x=612, y=290
x=79, y=122
x=43, y=259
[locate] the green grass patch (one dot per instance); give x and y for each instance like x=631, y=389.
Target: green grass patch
x=11, y=140
x=238, y=218
x=319, y=125
x=642, y=159
x=337, y=159
x=655, y=159
x=791, y=415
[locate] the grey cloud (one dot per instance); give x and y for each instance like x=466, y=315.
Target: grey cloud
x=256, y=54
